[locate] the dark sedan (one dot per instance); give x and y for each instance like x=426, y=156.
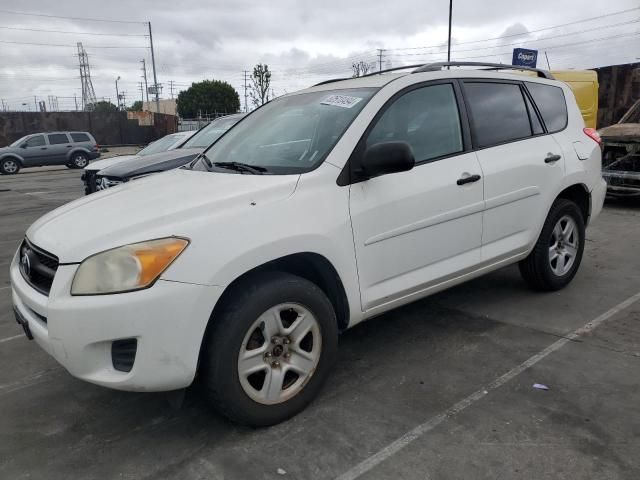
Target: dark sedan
x=160, y=162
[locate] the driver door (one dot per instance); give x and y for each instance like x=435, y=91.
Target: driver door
x=413, y=230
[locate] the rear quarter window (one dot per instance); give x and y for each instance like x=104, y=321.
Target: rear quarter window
x=551, y=104
x=80, y=137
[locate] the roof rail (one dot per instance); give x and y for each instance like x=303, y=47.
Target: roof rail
x=377, y=72
x=430, y=67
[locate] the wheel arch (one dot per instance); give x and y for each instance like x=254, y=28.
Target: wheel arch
x=14, y=156
x=309, y=265
x=75, y=150
x=580, y=195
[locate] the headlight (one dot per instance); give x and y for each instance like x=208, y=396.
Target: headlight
x=127, y=268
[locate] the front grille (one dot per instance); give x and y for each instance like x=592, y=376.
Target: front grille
x=123, y=354
x=37, y=266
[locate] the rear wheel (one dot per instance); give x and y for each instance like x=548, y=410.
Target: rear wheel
x=9, y=166
x=555, y=259
x=270, y=349
x=79, y=160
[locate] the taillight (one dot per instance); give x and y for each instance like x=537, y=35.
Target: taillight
x=97, y=147
x=592, y=133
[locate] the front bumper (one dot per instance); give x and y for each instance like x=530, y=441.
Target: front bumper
x=168, y=321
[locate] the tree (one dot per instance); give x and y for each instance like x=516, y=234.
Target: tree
x=102, y=106
x=208, y=96
x=260, y=82
x=360, y=68
x=136, y=106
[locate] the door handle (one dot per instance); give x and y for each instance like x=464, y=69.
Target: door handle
x=68, y=146
x=469, y=179
x=551, y=158
x=43, y=148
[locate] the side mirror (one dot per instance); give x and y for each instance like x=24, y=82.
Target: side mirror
x=387, y=157
x=24, y=145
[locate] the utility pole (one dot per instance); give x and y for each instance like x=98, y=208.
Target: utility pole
x=171, y=82
x=144, y=75
x=449, y=40
x=141, y=87
x=117, y=94
x=153, y=64
x=75, y=100
x=245, y=73
x=35, y=102
x=380, y=53
x=547, y=57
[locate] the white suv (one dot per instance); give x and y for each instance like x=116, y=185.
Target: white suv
x=319, y=210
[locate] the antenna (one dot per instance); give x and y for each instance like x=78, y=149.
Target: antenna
x=88, y=94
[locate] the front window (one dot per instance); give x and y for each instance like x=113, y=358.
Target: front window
x=289, y=135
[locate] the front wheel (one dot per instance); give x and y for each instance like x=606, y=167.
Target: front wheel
x=270, y=349
x=9, y=166
x=555, y=258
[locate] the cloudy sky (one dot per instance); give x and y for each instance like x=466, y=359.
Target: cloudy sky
x=303, y=42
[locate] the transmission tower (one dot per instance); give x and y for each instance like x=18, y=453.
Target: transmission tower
x=88, y=94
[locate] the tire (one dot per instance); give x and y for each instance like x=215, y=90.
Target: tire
x=241, y=322
x=9, y=166
x=78, y=160
x=539, y=269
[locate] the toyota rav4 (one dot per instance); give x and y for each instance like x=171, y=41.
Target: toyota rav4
x=319, y=210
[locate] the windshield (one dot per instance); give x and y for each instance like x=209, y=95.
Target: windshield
x=161, y=145
x=19, y=141
x=292, y=134
x=212, y=132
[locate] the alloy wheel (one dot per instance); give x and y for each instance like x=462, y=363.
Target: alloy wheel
x=279, y=353
x=563, y=246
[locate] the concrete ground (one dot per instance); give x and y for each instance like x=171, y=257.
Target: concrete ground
x=441, y=389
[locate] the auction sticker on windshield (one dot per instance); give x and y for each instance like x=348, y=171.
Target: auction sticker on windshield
x=344, y=101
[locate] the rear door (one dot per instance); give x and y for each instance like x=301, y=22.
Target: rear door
x=522, y=164
x=34, y=150
x=59, y=146
x=413, y=230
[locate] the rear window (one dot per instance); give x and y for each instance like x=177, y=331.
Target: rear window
x=498, y=112
x=551, y=103
x=80, y=137
x=57, y=138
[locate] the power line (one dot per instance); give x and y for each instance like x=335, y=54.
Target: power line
x=534, y=40
x=69, y=18
x=69, y=45
x=526, y=33
x=74, y=33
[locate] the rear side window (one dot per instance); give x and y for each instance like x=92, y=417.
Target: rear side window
x=80, y=137
x=426, y=118
x=551, y=103
x=58, y=138
x=498, y=112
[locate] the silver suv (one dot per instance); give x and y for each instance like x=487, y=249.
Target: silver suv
x=73, y=149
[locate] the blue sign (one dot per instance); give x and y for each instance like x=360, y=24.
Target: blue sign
x=524, y=57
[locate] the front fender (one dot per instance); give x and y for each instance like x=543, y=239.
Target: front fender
x=13, y=155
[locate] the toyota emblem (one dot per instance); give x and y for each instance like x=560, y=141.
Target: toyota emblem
x=26, y=263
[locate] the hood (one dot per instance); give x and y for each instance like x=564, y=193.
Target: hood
x=107, y=162
x=179, y=203
x=621, y=131
x=157, y=162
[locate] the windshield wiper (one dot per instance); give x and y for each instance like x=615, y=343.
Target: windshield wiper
x=241, y=167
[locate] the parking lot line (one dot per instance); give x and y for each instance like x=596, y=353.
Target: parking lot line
x=417, y=432
x=2, y=340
